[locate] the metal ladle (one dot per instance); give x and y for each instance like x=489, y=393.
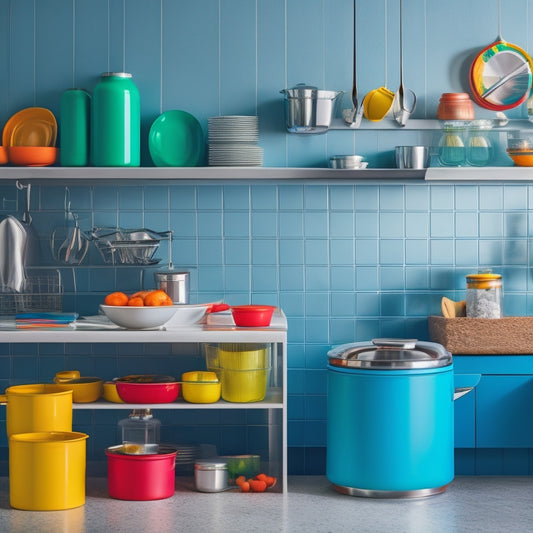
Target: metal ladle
x=350, y=117
x=404, y=100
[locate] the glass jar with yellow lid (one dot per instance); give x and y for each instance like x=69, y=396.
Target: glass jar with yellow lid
x=484, y=295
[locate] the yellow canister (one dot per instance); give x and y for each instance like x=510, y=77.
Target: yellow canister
x=39, y=407
x=47, y=470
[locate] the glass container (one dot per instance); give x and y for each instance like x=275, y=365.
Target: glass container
x=451, y=145
x=479, y=150
x=140, y=432
x=484, y=295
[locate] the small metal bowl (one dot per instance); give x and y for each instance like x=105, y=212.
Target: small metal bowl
x=346, y=161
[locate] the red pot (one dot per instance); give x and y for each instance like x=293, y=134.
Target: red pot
x=142, y=477
x=252, y=315
x=148, y=392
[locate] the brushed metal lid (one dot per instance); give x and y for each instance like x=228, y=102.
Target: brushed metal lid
x=390, y=354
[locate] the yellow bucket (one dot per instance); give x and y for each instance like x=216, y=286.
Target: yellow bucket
x=47, y=470
x=40, y=407
x=244, y=385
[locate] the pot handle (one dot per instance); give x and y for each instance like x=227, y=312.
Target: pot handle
x=464, y=383
x=3, y=399
x=461, y=391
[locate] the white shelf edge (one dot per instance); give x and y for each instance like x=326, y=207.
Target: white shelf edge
x=479, y=174
x=273, y=400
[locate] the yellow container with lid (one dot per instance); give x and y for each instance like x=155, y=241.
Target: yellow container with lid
x=484, y=295
x=47, y=470
x=200, y=387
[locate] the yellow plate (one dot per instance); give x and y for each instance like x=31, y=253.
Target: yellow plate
x=33, y=126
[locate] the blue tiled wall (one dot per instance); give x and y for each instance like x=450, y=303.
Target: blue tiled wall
x=346, y=261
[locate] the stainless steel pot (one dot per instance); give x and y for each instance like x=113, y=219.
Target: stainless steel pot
x=309, y=110
x=211, y=475
x=175, y=284
x=391, y=418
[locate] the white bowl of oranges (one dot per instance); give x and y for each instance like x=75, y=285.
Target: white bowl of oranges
x=149, y=310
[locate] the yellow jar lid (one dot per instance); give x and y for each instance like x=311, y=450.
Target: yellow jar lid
x=483, y=277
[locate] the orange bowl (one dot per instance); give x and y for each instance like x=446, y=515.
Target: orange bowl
x=524, y=159
x=3, y=155
x=32, y=156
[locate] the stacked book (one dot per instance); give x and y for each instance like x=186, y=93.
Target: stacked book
x=44, y=320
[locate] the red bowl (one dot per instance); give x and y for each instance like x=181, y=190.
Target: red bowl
x=148, y=392
x=252, y=315
x=32, y=156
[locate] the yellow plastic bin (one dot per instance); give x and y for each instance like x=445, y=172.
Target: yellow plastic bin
x=47, y=470
x=243, y=370
x=244, y=385
x=39, y=407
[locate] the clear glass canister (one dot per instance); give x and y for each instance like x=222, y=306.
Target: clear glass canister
x=479, y=150
x=451, y=145
x=484, y=295
x=140, y=432
x=115, y=122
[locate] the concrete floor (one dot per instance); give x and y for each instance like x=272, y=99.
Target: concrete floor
x=470, y=504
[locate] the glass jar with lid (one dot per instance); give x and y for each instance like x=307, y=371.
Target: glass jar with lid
x=484, y=295
x=479, y=150
x=140, y=432
x=451, y=145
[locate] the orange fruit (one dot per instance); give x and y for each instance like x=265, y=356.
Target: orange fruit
x=116, y=298
x=156, y=298
x=136, y=302
x=140, y=294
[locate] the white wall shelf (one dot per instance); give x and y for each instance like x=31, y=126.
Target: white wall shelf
x=224, y=331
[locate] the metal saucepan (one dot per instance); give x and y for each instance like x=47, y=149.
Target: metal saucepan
x=309, y=110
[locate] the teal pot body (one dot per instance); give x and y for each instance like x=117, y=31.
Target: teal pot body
x=390, y=432
x=116, y=122
x=74, y=128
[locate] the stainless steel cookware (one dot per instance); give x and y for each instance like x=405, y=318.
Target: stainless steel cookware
x=309, y=110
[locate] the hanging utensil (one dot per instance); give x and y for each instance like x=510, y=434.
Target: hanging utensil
x=349, y=118
x=32, y=244
x=501, y=75
x=69, y=244
x=404, y=100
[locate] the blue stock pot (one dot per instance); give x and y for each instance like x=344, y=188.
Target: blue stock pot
x=390, y=418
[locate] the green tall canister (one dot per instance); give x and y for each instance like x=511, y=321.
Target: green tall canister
x=116, y=122
x=74, y=128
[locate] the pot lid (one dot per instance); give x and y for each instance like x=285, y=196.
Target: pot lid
x=390, y=354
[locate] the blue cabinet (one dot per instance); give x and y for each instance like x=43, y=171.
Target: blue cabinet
x=497, y=413
x=503, y=412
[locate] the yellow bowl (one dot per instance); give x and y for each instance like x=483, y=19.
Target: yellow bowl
x=110, y=392
x=377, y=104
x=200, y=387
x=84, y=390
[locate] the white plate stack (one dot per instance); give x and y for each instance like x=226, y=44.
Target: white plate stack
x=233, y=141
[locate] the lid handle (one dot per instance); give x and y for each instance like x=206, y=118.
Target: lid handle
x=406, y=344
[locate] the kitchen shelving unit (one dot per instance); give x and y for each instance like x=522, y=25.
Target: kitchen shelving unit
x=275, y=402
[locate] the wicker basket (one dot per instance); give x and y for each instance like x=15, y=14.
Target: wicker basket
x=479, y=336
